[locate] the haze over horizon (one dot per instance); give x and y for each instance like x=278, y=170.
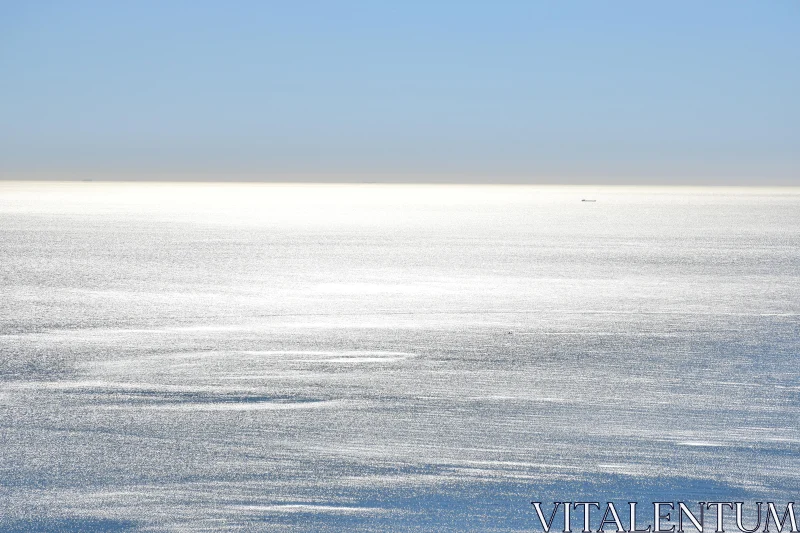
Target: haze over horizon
x=602, y=93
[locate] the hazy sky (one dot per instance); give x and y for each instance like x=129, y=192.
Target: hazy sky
x=670, y=91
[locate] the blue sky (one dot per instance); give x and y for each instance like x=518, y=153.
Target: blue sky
x=623, y=91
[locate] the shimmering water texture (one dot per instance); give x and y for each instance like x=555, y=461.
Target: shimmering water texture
x=203, y=357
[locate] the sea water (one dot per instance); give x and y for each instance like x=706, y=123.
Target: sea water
x=270, y=357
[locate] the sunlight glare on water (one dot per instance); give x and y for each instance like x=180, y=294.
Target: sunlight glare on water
x=272, y=357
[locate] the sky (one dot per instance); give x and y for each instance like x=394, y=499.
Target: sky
x=541, y=92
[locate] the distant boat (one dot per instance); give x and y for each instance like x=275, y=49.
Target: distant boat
x=585, y=200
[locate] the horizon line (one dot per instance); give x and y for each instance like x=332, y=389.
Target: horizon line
x=390, y=179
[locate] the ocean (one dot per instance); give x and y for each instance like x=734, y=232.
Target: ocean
x=380, y=358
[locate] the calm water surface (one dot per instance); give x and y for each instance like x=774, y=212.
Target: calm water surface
x=202, y=357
